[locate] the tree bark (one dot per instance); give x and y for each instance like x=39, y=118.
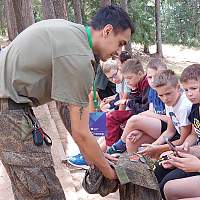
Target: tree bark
x=124, y=5
x=158, y=29
x=10, y=19
x=146, y=48
x=60, y=9
x=104, y=3
x=23, y=13
x=77, y=11
x=48, y=9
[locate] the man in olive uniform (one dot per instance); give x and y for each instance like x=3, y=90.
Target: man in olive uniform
x=51, y=60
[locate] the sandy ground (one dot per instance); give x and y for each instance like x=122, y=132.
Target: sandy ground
x=176, y=57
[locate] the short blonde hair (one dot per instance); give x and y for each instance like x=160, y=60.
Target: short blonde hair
x=108, y=65
x=133, y=66
x=156, y=64
x=166, y=77
x=192, y=72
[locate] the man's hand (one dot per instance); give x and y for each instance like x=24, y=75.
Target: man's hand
x=186, y=162
x=151, y=150
x=134, y=136
x=111, y=158
x=111, y=174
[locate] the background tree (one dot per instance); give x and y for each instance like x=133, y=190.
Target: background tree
x=23, y=14
x=10, y=19
x=77, y=11
x=124, y=5
x=48, y=9
x=142, y=13
x=60, y=9
x=105, y=3
x=158, y=29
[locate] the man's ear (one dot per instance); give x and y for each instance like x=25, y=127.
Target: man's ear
x=107, y=30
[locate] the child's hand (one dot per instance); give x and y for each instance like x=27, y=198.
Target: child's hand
x=151, y=150
x=106, y=100
x=183, y=148
x=104, y=107
x=120, y=102
x=165, y=162
x=186, y=162
x=134, y=136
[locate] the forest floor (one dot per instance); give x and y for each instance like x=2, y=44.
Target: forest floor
x=176, y=57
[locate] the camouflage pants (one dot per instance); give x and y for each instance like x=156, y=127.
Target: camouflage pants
x=29, y=167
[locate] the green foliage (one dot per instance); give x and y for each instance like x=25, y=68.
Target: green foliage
x=181, y=22
x=142, y=13
x=37, y=10
x=3, y=27
x=180, y=19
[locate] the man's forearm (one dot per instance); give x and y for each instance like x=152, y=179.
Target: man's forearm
x=76, y=118
x=91, y=151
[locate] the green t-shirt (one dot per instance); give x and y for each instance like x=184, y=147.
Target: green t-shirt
x=49, y=60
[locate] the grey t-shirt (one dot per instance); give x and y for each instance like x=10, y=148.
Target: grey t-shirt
x=49, y=60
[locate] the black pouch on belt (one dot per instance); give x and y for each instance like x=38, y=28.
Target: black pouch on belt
x=39, y=136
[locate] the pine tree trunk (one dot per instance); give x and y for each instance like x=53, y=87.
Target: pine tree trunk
x=158, y=29
x=23, y=13
x=10, y=19
x=60, y=9
x=146, y=48
x=124, y=5
x=77, y=11
x=48, y=9
x=104, y=3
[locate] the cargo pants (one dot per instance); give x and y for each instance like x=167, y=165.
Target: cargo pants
x=29, y=167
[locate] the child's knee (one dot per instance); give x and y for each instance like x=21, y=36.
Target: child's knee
x=169, y=190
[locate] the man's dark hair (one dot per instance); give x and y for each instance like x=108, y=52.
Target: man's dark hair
x=113, y=15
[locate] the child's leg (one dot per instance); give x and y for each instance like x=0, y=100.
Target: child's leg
x=133, y=146
x=182, y=188
x=149, y=126
x=113, y=121
x=196, y=198
x=174, y=174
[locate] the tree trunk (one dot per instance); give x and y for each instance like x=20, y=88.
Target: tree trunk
x=146, y=48
x=77, y=11
x=158, y=29
x=48, y=9
x=104, y=3
x=23, y=13
x=60, y=9
x=10, y=19
x=124, y=5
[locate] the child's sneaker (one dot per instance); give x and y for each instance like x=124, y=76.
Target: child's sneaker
x=78, y=161
x=118, y=147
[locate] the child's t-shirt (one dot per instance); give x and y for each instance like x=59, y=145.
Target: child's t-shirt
x=194, y=118
x=122, y=87
x=154, y=99
x=179, y=113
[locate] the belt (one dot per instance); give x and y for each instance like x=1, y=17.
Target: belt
x=9, y=104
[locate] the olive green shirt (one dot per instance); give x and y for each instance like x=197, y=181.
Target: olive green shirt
x=49, y=60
